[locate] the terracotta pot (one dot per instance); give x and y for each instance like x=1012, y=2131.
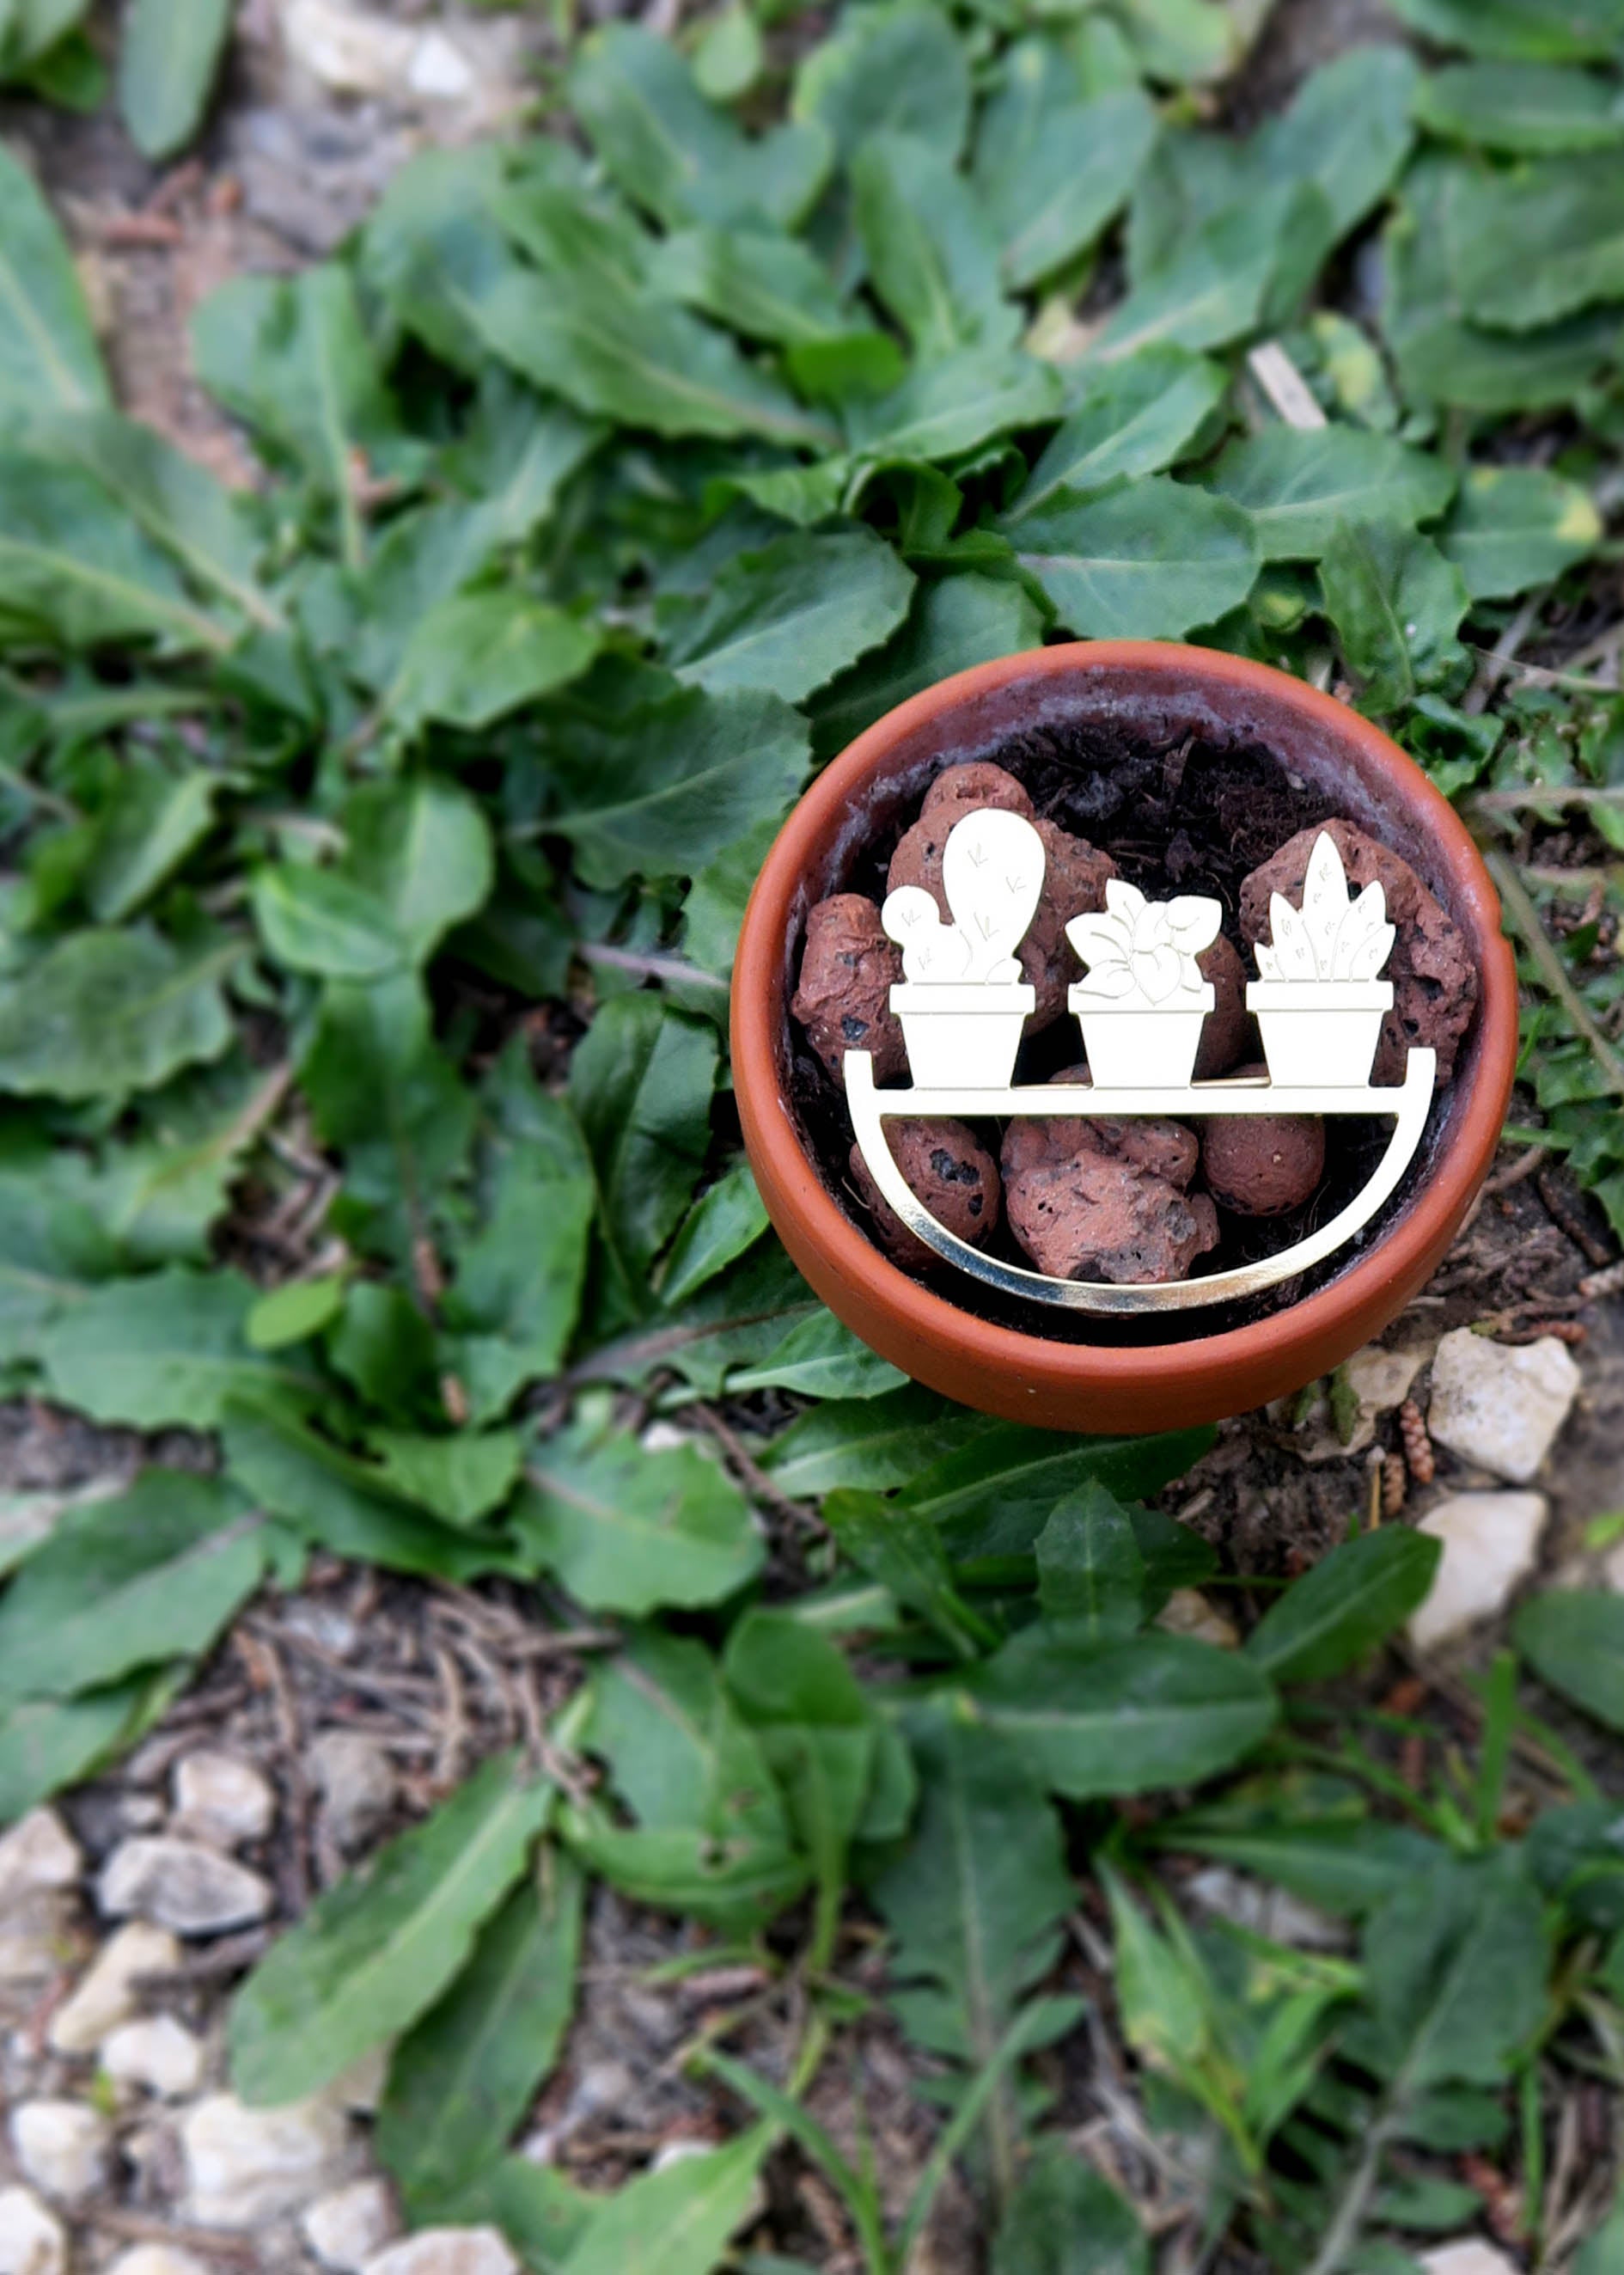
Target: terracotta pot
x=1164, y=690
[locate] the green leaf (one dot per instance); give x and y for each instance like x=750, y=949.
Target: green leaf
x=678, y=154
x=46, y=1743
x=518, y=1292
x=1541, y=241
x=1052, y=196
x=1090, y=1574
x=956, y=404
x=290, y=356
x=479, y=656
x=954, y=622
x=976, y=1901
x=888, y=69
x=1604, y=2252
x=176, y=501
x=640, y=1083
x=1125, y=1717
x=1456, y=1962
x=1574, y=1640
x=903, y=1552
x=384, y=1348
x=1531, y=110
x=1346, y=1864
x=48, y=343
x=627, y=356
x=1351, y=1601
x=106, y=1012
x=674, y=2222
x=353, y=1508
x=993, y=1497
x=1298, y=483
x=662, y=788
x=463, y=2076
x=722, y=1223
x=154, y=1574
x=375, y=1953
x=932, y=259
x=422, y=848
x=165, y=1350
x=1520, y=30
x=627, y=1531
x=315, y=921
x=1150, y=559
x=1514, y=527
x=788, y=617
x=76, y=566
x=821, y=1358
x=153, y=819
x=1396, y=604
x=1347, y=131
x=728, y=60
x=1065, y=2219
x=766, y=287
x=874, y=1442
x=1134, y=418
x=293, y=1313
x=711, y=1836
x=167, y=62
x=1213, y=287
x=461, y=1478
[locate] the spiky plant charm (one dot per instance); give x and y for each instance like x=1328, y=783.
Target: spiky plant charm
x=1319, y=1001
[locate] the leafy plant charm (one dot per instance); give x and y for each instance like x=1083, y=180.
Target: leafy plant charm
x=1143, y=999
x=963, y=1003
x=1319, y=1001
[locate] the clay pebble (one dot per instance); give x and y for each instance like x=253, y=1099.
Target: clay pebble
x=1265, y=1166
x=1435, y=983
x=1228, y=1024
x=1093, y=1198
x=953, y=1173
x=843, y=999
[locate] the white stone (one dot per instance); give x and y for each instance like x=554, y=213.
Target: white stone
x=1470, y=2256
x=36, y=1943
x=62, y=2147
x=156, y=2053
x=357, y=1781
x=157, y=2259
x=1187, y=1612
x=106, y=1994
x=439, y=72
x=1490, y=1542
x=348, y=49
x=223, y=1799
x=1500, y=1405
x=1381, y=1379
x=446, y=2251
x=351, y=2225
x=32, y=2241
x=1265, y=1909
x=182, y=1885
x=38, y=1852
x=246, y=2165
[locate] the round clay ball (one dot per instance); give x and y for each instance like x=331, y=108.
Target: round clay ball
x=1224, y=1035
x=1263, y=1165
x=965, y=789
x=953, y=1173
x=847, y=971
x=1434, y=980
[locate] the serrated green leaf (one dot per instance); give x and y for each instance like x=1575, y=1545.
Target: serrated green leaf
x=993, y=1496
x=78, y=571
x=640, y=1084
x=1133, y=417
x=1456, y=1966
x=463, y=2076
x=1347, y=131
x=931, y=257
x=1541, y=242
x=1214, y=287
x=1295, y=484
x=953, y=622
x=1396, y=604
x=153, y=1574
x=479, y=656
x=167, y=62
x=47, y=344
x=903, y=1552
x=788, y=618
x=1350, y=1601
x=375, y=1953
x=955, y=405
x=1516, y=527
x=167, y=1349
x=628, y=1530
x=106, y=1012
x=1125, y=1717
x=1149, y=560
x=878, y=1443
x=722, y=1223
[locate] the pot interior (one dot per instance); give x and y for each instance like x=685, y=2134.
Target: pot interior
x=1118, y=755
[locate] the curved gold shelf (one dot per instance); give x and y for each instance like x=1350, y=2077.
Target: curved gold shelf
x=872, y=1109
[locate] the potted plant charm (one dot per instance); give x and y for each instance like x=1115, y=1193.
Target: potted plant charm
x=1143, y=1001
x=1320, y=1004
x=963, y=1003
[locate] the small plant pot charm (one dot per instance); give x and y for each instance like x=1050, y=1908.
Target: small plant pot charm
x=1100, y=1197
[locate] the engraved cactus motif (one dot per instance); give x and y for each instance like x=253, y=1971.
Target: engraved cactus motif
x=991, y=874
x=1335, y=935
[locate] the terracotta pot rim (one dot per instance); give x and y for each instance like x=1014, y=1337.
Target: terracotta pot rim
x=1037, y=1375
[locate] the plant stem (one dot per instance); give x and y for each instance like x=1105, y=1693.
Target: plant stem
x=1523, y=918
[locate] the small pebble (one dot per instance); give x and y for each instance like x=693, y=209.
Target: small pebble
x=107, y=1994
x=222, y=1799
x=245, y=2166
x=953, y=1173
x=32, y=2241
x=447, y=2251
x=38, y=1852
x=349, y=2225
x=182, y=1885
x=1499, y=1407
x=1091, y=1199
x=63, y=2147
x=1228, y=1026
x=843, y=999
x=1263, y=1165
x=356, y=1782
x=156, y=2053
x=158, y=2259
x=1491, y=1540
